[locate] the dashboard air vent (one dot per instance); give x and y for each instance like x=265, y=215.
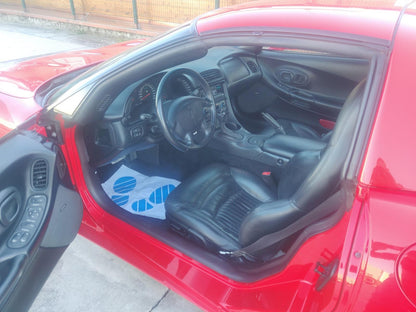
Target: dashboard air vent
x=211, y=74
x=252, y=66
x=40, y=174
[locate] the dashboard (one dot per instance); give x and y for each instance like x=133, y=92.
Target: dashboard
x=140, y=103
x=131, y=123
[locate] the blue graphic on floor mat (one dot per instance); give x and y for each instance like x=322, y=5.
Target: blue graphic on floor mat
x=158, y=196
x=124, y=185
x=120, y=199
x=127, y=184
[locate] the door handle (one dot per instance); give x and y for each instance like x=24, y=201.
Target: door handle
x=10, y=201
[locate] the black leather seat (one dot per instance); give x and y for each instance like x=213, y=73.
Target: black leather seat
x=226, y=209
x=297, y=129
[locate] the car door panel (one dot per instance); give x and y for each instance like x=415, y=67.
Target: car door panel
x=302, y=87
x=40, y=215
x=317, y=83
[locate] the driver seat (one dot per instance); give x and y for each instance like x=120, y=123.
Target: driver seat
x=226, y=209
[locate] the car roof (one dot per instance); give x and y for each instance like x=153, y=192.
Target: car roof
x=375, y=19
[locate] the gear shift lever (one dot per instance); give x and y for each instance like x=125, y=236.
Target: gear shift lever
x=273, y=122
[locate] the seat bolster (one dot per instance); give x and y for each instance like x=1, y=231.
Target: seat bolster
x=296, y=171
x=280, y=144
x=268, y=218
x=305, y=131
x=253, y=185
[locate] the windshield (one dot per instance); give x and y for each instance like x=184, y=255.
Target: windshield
x=85, y=81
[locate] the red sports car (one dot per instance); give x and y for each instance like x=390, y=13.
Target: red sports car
x=258, y=158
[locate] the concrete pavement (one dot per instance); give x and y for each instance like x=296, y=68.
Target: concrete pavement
x=87, y=278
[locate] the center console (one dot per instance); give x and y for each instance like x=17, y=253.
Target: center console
x=230, y=137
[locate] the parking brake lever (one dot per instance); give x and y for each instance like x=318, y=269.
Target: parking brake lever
x=273, y=122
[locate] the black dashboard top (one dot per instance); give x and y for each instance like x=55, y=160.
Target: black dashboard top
x=139, y=98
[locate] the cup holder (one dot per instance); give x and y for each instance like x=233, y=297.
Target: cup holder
x=232, y=126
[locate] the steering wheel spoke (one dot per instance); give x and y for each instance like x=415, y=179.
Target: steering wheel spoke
x=207, y=116
x=205, y=128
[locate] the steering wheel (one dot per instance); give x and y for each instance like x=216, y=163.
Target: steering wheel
x=187, y=122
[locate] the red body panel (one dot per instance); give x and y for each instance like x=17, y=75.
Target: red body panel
x=19, y=81
x=386, y=228
x=390, y=161
x=371, y=23
x=385, y=278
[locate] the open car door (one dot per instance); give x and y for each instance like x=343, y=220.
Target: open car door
x=40, y=215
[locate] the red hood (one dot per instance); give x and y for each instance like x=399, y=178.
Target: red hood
x=20, y=80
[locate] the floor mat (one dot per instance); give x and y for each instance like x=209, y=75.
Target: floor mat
x=139, y=194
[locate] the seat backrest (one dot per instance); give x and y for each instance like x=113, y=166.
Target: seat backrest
x=325, y=178
x=309, y=179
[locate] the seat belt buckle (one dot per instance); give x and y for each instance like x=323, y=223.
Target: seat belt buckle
x=268, y=179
